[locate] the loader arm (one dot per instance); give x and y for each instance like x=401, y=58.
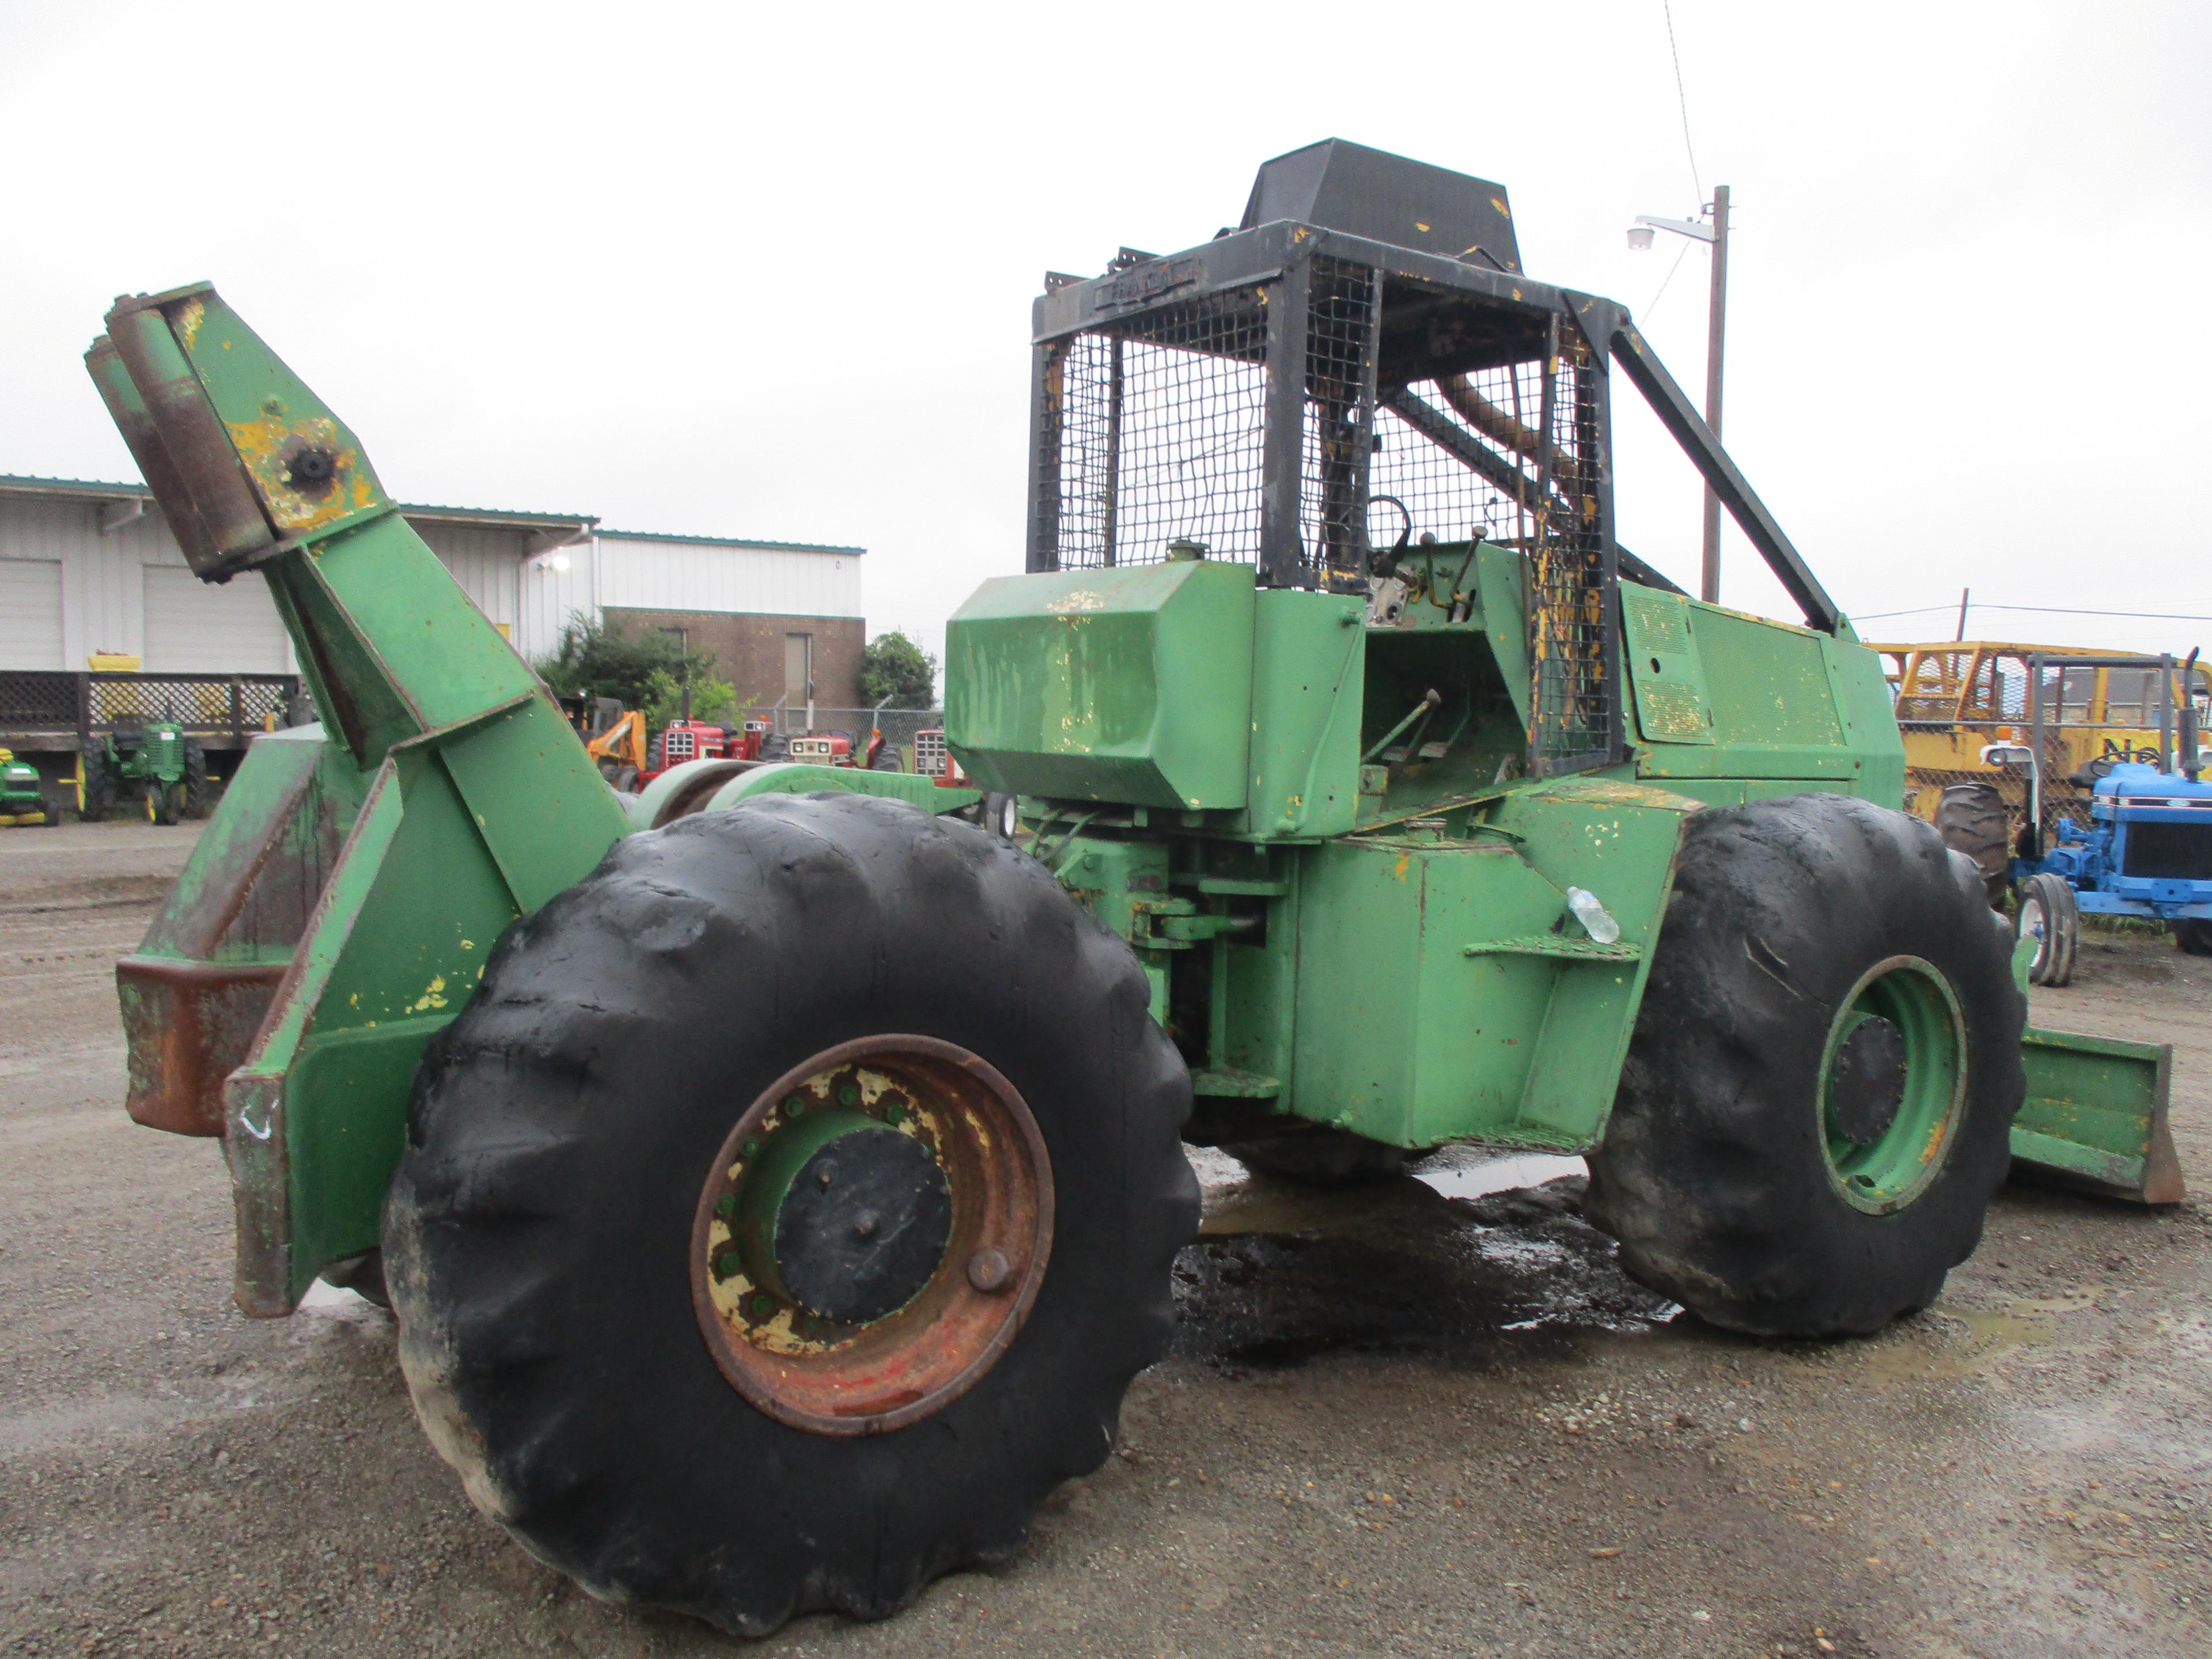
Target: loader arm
x=340, y=908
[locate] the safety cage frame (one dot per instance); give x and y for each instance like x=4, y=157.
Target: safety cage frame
x=1262, y=394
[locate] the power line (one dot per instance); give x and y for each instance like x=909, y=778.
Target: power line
x=1679, y=254
x=1682, y=99
x=2040, y=610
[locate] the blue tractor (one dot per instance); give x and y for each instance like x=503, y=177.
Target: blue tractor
x=2146, y=851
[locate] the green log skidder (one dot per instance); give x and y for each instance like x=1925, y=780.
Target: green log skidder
x=777, y=1181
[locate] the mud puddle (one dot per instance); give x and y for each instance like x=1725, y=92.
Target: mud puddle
x=1472, y=1261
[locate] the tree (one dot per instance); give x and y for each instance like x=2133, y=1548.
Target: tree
x=894, y=666
x=613, y=661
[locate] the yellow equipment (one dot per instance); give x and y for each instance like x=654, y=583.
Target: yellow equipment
x=1955, y=697
x=620, y=750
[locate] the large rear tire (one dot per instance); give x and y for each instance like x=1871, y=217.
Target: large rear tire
x=638, y=1376
x=1814, y=1110
x=1972, y=818
x=98, y=790
x=194, y=801
x=2192, y=937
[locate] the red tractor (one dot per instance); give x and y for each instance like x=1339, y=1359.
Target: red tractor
x=996, y=812
x=685, y=740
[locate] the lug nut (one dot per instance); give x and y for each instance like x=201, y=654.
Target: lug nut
x=988, y=1270
x=867, y=1224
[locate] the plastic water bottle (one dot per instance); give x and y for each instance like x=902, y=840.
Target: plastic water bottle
x=1597, y=922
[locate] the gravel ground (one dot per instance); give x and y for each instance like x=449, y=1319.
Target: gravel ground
x=1395, y=1422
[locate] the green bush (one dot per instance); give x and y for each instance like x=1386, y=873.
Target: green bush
x=894, y=666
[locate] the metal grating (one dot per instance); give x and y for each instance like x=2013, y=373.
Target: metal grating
x=1162, y=425
x=1570, y=629
x=1494, y=412
x=929, y=753
x=1152, y=433
x=1337, y=421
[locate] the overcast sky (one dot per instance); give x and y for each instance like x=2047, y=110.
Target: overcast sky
x=767, y=272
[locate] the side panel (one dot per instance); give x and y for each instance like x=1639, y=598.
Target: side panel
x=1721, y=695
x=1307, y=684
x=1130, y=685
x=1444, y=991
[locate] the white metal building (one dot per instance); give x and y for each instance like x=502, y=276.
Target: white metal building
x=89, y=566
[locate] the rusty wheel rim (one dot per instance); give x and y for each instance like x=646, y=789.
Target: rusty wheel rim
x=871, y=1234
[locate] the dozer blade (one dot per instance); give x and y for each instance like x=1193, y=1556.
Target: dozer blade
x=2095, y=1117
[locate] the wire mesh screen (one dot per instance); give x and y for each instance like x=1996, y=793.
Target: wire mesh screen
x=1338, y=419
x=1153, y=431
x=1493, y=414
x=1570, y=646
x=1155, y=428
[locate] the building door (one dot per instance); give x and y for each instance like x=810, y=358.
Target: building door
x=799, y=674
x=194, y=626
x=31, y=613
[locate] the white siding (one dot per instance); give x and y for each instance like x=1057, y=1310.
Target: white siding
x=194, y=628
x=637, y=575
x=31, y=613
x=551, y=598
x=105, y=581
x=488, y=564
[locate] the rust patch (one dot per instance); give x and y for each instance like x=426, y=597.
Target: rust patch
x=287, y=459
x=189, y=1025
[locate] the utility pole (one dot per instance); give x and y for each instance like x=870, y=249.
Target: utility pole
x=1714, y=234
x=1964, y=594
x=1709, y=582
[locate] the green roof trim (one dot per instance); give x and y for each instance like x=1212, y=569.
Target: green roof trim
x=98, y=489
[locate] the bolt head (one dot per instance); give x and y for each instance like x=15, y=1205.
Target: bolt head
x=988, y=1270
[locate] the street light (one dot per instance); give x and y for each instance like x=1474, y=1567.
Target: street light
x=1715, y=235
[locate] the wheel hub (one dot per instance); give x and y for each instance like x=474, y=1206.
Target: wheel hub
x=871, y=1234
x=864, y=1225
x=1892, y=1083
x=1868, y=1086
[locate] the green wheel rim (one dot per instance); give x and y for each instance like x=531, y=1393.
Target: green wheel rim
x=1877, y=1166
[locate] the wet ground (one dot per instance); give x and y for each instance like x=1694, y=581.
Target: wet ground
x=1430, y=1418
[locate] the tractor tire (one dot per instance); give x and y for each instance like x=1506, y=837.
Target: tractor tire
x=1815, y=1107
x=886, y=760
x=1325, y=1158
x=580, y=1132
x=2049, y=915
x=2191, y=937
x=195, y=781
x=159, y=807
x=99, y=783
x=1001, y=815
x=1972, y=818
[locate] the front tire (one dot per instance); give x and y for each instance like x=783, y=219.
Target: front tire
x=1815, y=1107
x=613, y=1396
x=2049, y=915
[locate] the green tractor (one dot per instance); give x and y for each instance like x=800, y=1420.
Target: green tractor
x=148, y=766
x=23, y=794
x=776, y=1180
